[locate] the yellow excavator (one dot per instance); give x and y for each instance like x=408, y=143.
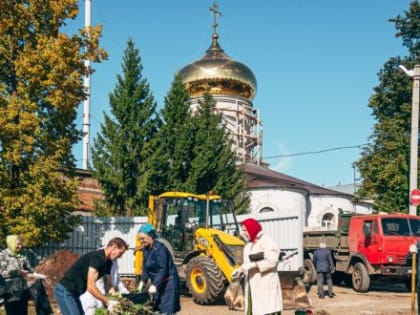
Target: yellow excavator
x=202, y=234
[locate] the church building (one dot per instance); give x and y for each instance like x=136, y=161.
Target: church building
x=233, y=87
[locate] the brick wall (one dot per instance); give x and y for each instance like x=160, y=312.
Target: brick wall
x=89, y=191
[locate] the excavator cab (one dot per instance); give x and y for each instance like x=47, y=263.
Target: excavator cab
x=176, y=215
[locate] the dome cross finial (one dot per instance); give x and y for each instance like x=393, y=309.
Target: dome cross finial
x=215, y=9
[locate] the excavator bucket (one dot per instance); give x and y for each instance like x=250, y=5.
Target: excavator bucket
x=234, y=295
x=294, y=292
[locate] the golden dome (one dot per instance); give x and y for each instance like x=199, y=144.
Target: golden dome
x=217, y=73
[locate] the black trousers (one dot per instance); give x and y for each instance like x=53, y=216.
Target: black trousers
x=40, y=298
x=321, y=277
x=17, y=307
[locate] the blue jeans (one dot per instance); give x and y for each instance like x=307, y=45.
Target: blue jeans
x=69, y=303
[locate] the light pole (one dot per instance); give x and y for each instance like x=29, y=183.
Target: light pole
x=86, y=102
x=415, y=74
x=413, y=250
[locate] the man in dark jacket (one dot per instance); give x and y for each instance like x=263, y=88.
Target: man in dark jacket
x=324, y=266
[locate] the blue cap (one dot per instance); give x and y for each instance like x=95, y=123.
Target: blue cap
x=147, y=229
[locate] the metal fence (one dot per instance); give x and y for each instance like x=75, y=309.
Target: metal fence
x=95, y=232
x=286, y=230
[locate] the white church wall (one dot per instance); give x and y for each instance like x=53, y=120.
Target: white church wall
x=322, y=210
x=277, y=199
x=365, y=208
x=324, y=206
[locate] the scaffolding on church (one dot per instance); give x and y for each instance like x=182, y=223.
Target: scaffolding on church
x=243, y=124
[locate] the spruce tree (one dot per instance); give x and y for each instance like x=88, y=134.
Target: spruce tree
x=213, y=167
x=384, y=163
x=176, y=138
x=122, y=149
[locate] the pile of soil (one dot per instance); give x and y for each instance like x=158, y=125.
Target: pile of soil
x=54, y=267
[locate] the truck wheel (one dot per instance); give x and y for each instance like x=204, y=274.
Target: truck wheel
x=310, y=273
x=360, y=278
x=204, y=279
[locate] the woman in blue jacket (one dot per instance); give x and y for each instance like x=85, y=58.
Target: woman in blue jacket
x=159, y=267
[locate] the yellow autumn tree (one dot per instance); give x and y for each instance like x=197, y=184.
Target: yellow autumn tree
x=41, y=86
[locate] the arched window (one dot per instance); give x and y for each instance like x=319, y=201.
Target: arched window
x=266, y=209
x=328, y=220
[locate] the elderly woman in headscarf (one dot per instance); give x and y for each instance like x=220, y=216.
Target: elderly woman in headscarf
x=261, y=256
x=14, y=267
x=159, y=268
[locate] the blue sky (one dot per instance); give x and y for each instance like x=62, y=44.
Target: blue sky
x=316, y=64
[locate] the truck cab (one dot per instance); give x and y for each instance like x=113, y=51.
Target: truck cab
x=384, y=240
x=367, y=247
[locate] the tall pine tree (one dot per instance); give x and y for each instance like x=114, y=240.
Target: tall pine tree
x=213, y=167
x=176, y=138
x=384, y=164
x=123, y=147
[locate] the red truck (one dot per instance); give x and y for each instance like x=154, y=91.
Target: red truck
x=366, y=248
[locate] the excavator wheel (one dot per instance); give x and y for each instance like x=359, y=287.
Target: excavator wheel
x=204, y=280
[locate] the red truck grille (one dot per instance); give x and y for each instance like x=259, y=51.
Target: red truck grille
x=400, y=260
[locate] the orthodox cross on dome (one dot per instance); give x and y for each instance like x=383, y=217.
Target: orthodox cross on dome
x=216, y=12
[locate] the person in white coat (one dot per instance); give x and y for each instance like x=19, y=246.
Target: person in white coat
x=90, y=303
x=262, y=286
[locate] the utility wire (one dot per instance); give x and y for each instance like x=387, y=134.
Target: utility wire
x=314, y=152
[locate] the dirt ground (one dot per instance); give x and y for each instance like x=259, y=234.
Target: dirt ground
x=54, y=267
x=380, y=300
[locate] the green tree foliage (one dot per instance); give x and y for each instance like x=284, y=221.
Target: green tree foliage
x=176, y=138
x=213, y=164
x=384, y=163
x=41, y=86
x=195, y=152
x=124, y=145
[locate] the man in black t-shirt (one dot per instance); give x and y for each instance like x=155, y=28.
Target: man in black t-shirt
x=82, y=276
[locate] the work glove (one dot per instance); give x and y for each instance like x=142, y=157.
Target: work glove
x=152, y=289
x=237, y=273
x=140, y=287
x=243, y=269
x=122, y=289
x=113, y=292
x=112, y=305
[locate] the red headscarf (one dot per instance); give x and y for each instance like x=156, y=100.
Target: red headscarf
x=253, y=228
